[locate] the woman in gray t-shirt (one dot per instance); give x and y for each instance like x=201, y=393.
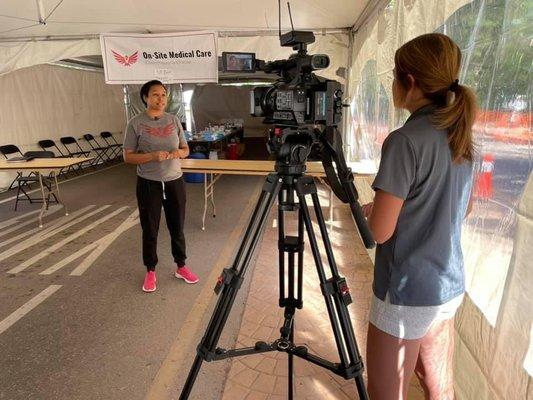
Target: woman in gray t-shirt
x=423, y=188
x=155, y=142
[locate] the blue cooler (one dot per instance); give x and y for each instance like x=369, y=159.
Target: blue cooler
x=195, y=177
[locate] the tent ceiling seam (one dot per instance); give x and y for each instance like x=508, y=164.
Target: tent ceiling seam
x=55, y=8
x=22, y=19
x=370, y=10
x=19, y=28
x=222, y=34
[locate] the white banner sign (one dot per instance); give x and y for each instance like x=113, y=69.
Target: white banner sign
x=168, y=57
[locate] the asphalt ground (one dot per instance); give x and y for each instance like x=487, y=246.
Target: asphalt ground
x=74, y=323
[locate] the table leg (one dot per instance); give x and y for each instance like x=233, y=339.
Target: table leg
x=45, y=202
x=212, y=194
x=209, y=195
x=205, y=201
x=60, y=201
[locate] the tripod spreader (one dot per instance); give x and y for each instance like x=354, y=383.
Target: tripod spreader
x=284, y=345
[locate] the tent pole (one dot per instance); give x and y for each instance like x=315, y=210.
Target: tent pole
x=371, y=8
x=345, y=119
x=126, y=102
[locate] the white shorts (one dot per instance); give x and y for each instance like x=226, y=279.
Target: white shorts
x=410, y=322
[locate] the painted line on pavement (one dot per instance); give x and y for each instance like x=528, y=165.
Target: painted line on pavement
x=105, y=242
x=188, y=336
x=67, y=180
x=55, y=208
x=14, y=220
x=41, y=235
x=7, y=322
x=63, y=242
x=97, y=248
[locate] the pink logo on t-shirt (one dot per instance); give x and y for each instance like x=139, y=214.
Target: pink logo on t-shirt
x=163, y=131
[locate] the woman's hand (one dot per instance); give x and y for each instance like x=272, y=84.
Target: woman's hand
x=176, y=154
x=367, y=209
x=160, y=155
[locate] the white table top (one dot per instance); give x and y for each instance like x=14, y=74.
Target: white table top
x=243, y=167
x=43, y=163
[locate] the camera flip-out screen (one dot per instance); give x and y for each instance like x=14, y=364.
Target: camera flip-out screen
x=238, y=62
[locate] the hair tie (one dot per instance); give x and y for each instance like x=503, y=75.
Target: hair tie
x=454, y=86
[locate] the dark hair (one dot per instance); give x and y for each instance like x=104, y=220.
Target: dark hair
x=434, y=61
x=146, y=89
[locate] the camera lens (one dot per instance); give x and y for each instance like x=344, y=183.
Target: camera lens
x=319, y=61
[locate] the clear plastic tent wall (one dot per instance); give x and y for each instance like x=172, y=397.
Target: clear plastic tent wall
x=494, y=348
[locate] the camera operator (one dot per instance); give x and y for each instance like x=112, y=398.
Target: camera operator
x=423, y=190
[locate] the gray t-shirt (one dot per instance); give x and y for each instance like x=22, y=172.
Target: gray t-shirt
x=145, y=135
x=422, y=263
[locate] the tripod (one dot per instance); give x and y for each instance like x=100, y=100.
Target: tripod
x=286, y=185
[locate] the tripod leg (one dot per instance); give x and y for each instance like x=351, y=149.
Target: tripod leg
x=290, y=297
x=335, y=290
x=231, y=280
x=291, y=364
x=340, y=304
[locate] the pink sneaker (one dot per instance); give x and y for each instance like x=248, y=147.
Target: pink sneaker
x=149, y=282
x=186, y=274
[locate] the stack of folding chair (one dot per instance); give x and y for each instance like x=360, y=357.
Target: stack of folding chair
x=74, y=149
x=113, y=144
x=50, y=145
x=103, y=153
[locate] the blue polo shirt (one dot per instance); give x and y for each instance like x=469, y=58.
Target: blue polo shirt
x=422, y=263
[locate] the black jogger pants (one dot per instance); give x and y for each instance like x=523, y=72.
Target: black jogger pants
x=151, y=196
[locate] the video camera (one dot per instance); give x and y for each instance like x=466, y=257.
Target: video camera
x=305, y=110
x=299, y=97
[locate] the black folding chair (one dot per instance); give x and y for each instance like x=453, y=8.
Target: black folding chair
x=100, y=151
x=74, y=149
x=26, y=180
x=7, y=151
x=10, y=151
x=50, y=145
x=112, y=143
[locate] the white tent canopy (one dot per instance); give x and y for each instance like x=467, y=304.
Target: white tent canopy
x=494, y=355
x=78, y=17
x=70, y=28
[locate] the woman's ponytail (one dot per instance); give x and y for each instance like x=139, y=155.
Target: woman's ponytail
x=458, y=116
x=434, y=61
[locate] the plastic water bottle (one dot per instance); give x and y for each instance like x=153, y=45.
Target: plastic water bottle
x=232, y=150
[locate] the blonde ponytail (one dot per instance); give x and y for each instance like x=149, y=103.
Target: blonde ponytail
x=458, y=118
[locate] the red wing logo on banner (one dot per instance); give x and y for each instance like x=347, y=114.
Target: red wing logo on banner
x=126, y=60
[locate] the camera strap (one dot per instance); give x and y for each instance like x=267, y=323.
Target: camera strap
x=330, y=152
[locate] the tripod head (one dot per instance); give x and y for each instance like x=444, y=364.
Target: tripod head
x=292, y=145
